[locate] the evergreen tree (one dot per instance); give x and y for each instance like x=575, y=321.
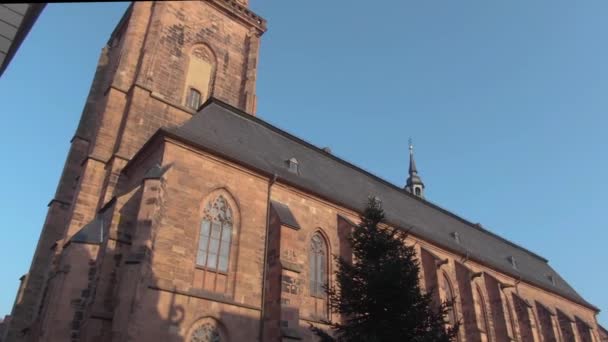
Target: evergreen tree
x=378, y=296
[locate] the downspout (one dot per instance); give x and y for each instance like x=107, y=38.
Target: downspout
x=264, y=267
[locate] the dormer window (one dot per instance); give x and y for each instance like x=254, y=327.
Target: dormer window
x=456, y=237
x=293, y=165
x=512, y=262
x=551, y=279
x=193, y=101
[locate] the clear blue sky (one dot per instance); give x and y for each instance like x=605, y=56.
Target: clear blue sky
x=506, y=102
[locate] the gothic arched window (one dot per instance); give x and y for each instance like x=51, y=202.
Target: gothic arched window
x=318, y=265
x=215, y=236
x=199, y=75
x=206, y=333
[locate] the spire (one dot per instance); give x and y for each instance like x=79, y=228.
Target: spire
x=414, y=184
x=412, y=161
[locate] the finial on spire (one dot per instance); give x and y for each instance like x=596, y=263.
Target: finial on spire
x=414, y=184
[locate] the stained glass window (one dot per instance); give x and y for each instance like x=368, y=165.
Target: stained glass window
x=318, y=265
x=215, y=236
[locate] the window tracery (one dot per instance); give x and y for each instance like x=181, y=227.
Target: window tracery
x=215, y=235
x=206, y=333
x=318, y=265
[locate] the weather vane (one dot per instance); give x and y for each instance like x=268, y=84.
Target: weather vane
x=411, y=143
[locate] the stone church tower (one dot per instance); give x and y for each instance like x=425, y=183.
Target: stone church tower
x=163, y=60
x=181, y=216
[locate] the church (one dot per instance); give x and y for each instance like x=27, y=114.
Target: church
x=181, y=216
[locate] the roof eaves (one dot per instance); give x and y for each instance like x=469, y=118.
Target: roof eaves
x=347, y=220
x=28, y=21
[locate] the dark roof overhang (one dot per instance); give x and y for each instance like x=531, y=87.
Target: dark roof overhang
x=284, y=214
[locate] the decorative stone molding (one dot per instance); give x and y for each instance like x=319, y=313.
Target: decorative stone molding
x=161, y=285
x=243, y=13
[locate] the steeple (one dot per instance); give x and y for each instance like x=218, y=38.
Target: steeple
x=414, y=184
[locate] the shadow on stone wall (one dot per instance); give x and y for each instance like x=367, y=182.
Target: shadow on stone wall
x=154, y=298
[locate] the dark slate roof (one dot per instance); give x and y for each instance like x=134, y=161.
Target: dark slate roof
x=285, y=215
x=91, y=233
x=156, y=172
x=238, y=136
x=94, y=232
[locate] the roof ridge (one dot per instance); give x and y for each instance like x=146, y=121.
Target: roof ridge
x=280, y=131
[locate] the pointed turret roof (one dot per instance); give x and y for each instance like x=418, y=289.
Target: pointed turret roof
x=412, y=161
x=413, y=178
